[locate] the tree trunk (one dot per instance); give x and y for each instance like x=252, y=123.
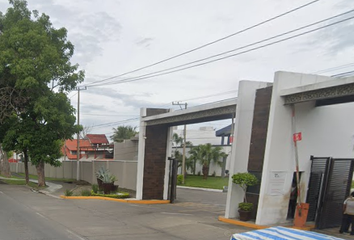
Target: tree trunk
x=205, y=171
x=26, y=166
x=5, y=166
x=40, y=173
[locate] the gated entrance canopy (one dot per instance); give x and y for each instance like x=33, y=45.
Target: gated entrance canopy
x=155, y=144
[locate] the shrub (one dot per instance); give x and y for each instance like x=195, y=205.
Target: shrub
x=198, y=173
x=101, y=172
x=179, y=179
x=85, y=192
x=121, y=195
x=95, y=188
x=245, y=206
x=244, y=180
x=214, y=174
x=68, y=193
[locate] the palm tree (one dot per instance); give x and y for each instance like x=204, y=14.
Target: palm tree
x=178, y=142
x=195, y=153
x=122, y=133
x=206, y=154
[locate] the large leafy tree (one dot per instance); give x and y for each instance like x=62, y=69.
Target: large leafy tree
x=206, y=154
x=122, y=133
x=35, y=76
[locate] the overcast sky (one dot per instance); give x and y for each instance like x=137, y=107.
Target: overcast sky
x=113, y=37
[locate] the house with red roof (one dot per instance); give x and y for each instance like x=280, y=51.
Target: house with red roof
x=93, y=147
x=97, y=139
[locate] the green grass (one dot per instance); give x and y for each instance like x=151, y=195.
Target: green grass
x=352, y=184
x=112, y=195
x=20, y=182
x=6, y=177
x=210, y=182
x=31, y=176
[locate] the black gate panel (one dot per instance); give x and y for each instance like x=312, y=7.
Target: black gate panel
x=319, y=169
x=335, y=190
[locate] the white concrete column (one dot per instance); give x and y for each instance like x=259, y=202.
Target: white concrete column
x=241, y=143
x=279, y=151
x=141, y=156
x=168, y=162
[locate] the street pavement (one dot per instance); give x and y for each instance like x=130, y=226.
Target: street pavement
x=19, y=221
x=29, y=215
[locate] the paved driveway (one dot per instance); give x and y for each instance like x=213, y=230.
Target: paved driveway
x=198, y=200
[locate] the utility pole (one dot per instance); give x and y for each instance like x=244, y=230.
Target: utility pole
x=184, y=141
x=78, y=132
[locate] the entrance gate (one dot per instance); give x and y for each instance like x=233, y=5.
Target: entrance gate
x=329, y=185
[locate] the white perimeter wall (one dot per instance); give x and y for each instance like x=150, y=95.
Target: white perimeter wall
x=326, y=131
x=124, y=171
x=241, y=144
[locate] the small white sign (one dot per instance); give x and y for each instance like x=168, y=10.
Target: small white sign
x=276, y=183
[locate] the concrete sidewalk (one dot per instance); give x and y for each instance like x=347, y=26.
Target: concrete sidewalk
x=52, y=187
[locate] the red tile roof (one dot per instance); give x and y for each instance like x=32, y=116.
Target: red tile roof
x=97, y=138
x=72, y=144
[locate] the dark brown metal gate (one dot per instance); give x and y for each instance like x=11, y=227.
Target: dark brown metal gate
x=329, y=185
x=319, y=169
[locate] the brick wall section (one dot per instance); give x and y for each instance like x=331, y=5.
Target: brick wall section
x=259, y=129
x=258, y=140
x=155, y=158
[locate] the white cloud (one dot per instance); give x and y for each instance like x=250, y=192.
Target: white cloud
x=112, y=37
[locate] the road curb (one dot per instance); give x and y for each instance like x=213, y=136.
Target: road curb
x=241, y=223
x=256, y=226
x=201, y=189
x=134, y=201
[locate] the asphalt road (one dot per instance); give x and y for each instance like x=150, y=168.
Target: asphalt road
x=19, y=222
x=27, y=215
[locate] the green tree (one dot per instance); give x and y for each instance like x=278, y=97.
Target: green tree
x=122, y=133
x=207, y=154
x=36, y=75
x=178, y=142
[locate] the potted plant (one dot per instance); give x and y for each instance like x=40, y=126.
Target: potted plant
x=99, y=175
x=245, y=180
x=108, y=182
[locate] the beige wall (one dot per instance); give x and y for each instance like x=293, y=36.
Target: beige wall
x=124, y=171
x=126, y=150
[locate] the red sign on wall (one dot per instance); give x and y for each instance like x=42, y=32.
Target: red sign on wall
x=297, y=137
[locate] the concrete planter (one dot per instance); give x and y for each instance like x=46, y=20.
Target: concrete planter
x=245, y=215
x=107, y=187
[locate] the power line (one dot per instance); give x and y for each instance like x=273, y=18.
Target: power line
x=207, y=96
x=161, y=72
x=73, y=95
x=334, y=68
x=114, y=123
x=208, y=44
x=108, y=115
